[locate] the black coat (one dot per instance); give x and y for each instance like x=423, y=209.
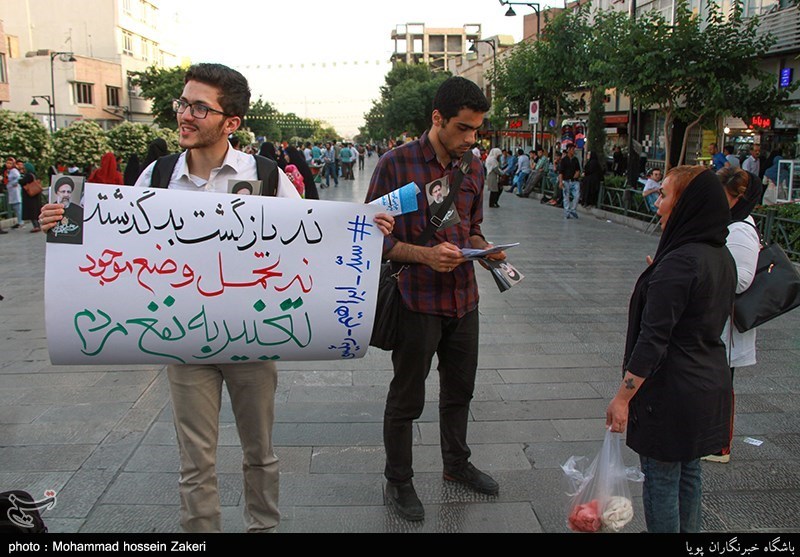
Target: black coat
x=677, y=313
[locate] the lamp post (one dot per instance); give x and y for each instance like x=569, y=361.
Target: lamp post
x=532, y=5
x=473, y=48
x=52, y=78
x=50, y=108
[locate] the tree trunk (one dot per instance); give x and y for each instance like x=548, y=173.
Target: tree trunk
x=668, y=120
x=685, y=143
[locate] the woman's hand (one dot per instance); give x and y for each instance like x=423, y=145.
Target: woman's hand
x=385, y=223
x=617, y=415
x=50, y=215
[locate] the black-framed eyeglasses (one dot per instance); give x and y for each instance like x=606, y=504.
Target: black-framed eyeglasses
x=198, y=110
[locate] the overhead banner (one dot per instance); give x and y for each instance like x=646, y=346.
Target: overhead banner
x=164, y=276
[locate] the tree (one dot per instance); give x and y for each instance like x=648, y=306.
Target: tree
x=82, y=143
x=692, y=70
x=262, y=119
x=161, y=86
x=129, y=138
x=547, y=70
x=406, y=102
x=169, y=135
x=25, y=137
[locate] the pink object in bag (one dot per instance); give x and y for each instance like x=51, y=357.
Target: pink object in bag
x=297, y=179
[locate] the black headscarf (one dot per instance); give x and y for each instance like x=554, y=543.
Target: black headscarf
x=267, y=149
x=701, y=215
x=158, y=148
x=132, y=170
x=299, y=160
x=752, y=197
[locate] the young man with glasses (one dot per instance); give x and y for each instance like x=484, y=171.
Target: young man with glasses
x=213, y=103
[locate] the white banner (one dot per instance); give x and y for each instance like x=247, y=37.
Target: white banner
x=167, y=276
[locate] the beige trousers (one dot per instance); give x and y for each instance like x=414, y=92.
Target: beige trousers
x=196, y=392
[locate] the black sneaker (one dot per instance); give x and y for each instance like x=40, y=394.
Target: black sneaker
x=403, y=497
x=473, y=478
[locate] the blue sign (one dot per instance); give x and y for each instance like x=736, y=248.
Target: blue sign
x=786, y=77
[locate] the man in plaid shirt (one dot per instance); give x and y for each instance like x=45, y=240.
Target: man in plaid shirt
x=439, y=292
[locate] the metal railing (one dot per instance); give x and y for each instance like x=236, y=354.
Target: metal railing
x=779, y=230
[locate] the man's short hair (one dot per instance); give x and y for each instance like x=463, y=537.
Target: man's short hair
x=728, y=149
x=234, y=92
x=456, y=93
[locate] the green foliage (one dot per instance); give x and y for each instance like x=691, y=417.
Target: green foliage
x=169, y=135
x=546, y=70
x=695, y=70
x=25, y=137
x=262, y=120
x=245, y=137
x=81, y=143
x=613, y=181
x=161, y=86
x=129, y=138
x=406, y=102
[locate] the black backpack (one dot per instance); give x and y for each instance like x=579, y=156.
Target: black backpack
x=19, y=514
x=162, y=173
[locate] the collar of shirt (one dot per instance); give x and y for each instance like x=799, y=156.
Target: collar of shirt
x=236, y=164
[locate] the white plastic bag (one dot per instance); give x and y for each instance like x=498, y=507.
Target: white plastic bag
x=599, y=495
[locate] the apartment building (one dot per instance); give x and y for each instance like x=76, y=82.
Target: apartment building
x=76, y=59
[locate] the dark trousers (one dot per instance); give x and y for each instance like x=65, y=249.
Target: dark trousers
x=455, y=342
x=494, y=197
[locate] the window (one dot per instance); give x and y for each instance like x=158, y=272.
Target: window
x=145, y=50
x=133, y=90
x=126, y=7
x=84, y=93
x=112, y=95
x=127, y=43
x=3, y=74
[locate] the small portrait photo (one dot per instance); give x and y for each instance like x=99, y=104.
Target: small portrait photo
x=510, y=272
x=67, y=190
x=436, y=192
x=244, y=187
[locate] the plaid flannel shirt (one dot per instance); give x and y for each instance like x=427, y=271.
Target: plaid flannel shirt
x=424, y=290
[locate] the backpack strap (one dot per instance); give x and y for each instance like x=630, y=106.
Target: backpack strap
x=267, y=172
x=162, y=171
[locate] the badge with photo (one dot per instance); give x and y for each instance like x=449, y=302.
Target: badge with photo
x=437, y=192
x=67, y=190
x=244, y=187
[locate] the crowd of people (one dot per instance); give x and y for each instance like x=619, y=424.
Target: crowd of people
x=675, y=399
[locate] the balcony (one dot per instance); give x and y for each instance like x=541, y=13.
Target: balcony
x=784, y=25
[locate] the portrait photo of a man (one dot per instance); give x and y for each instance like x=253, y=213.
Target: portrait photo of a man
x=66, y=190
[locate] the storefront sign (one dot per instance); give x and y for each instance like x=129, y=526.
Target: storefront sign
x=786, y=77
x=514, y=124
x=760, y=122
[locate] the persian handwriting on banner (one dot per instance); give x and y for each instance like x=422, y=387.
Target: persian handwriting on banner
x=351, y=296
x=172, y=277
x=111, y=264
x=224, y=223
x=155, y=334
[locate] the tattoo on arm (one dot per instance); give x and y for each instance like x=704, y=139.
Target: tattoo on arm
x=629, y=383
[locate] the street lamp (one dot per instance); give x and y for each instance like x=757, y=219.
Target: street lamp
x=50, y=108
x=52, y=79
x=490, y=42
x=533, y=5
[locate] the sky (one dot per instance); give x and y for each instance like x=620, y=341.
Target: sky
x=324, y=60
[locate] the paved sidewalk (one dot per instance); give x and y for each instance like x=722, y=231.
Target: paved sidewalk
x=550, y=358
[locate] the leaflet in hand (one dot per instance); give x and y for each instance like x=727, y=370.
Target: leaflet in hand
x=470, y=253
x=400, y=201
x=504, y=273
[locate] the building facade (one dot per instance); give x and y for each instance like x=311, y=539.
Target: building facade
x=82, y=54
x=414, y=43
